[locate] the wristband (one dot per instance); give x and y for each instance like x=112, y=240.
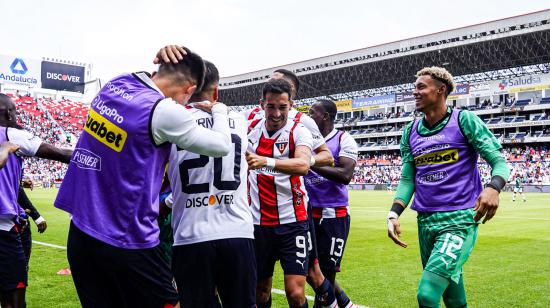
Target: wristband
x=39, y=220
x=396, y=208
x=392, y=215
x=270, y=163
x=312, y=161
x=497, y=183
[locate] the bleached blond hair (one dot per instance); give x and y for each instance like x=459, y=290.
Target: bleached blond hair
x=440, y=74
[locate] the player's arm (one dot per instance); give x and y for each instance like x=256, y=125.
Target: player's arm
x=347, y=160
x=30, y=145
x=6, y=149
x=299, y=165
x=405, y=189
x=322, y=155
x=25, y=203
x=342, y=173
x=51, y=152
x=173, y=123
x=485, y=143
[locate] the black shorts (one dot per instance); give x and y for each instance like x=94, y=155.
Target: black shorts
x=26, y=241
x=108, y=276
x=13, y=265
x=226, y=264
x=312, y=238
x=332, y=235
x=287, y=243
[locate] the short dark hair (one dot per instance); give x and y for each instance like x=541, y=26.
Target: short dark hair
x=277, y=86
x=211, y=79
x=290, y=75
x=329, y=106
x=190, y=67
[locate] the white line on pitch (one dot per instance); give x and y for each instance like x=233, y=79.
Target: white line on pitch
x=505, y=217
x=276, y=291
x=50, y=245
x=311, y=298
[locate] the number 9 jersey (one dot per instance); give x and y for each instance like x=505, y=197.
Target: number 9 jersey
x=210, y=194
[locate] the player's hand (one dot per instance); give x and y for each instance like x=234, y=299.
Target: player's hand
x=486, y=204
x=23, y=224
x=205, y=106
x=10, y=147
x=394, y=232
x=42, y=226
x=255, y=161
x=170, y=54
x=27, y=183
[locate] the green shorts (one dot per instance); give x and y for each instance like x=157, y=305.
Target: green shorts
x=446, y=241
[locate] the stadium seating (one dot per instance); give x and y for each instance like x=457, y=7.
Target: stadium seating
x=384, y=168
x=57, y=121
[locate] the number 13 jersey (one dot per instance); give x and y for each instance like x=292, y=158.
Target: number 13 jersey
x=210, y=194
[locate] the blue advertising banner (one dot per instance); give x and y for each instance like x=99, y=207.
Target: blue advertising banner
x=366, y=103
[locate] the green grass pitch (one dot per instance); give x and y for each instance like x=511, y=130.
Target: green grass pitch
x=509, y=267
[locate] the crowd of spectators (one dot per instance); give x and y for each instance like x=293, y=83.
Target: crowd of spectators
x=531, y=163
x=33, y=116
x=60, y=123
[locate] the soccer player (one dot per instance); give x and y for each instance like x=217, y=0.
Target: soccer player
x=279, y=155
x=212, y=223
x=16, y=142
x=258, y=111
x=328, y=195
x=322, y=157
x=29, y=211
x=518, y=187
x=440, y=153
x=324, y=294
x=113, y=183
x=174, y=53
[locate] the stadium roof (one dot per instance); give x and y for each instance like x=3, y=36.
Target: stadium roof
x=472, y=52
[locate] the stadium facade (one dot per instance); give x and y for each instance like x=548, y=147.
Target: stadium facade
x=502, y=70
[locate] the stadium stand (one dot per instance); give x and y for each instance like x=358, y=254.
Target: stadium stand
x=533, y=163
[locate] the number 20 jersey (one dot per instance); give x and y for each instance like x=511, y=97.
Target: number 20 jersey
x=210, y=194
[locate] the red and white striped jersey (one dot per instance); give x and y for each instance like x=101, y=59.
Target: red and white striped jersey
x=318, y=139
x=253, y=114
x=277, y=198
x=330, y=212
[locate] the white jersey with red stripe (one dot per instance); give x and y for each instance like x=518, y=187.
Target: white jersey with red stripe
x=253, y=114
x=330, y=212
x=309, y=123
x=210, y=194
x=277, y=198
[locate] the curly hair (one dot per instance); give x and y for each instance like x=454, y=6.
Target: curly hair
x=440, y=74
